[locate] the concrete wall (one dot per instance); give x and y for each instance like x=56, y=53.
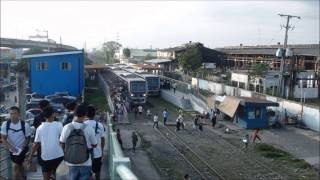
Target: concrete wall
x=198, y=104
x=306, y=92
x=311, y=116
x=238, y=77
x=168, y=96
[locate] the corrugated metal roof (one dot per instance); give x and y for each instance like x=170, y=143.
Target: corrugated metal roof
x=229, y=105
x=157, y=61
x=305, y=50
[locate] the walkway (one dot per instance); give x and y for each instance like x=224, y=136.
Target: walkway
x=35, y=172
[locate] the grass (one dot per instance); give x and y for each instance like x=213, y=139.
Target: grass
x=91, y=83
x=271, y=152
x=97, y=98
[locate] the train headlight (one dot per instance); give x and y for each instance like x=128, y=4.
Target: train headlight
x=143, y=95
x=131, y=95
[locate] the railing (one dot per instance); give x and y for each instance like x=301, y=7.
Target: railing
x=119, y=165
x=5, y=163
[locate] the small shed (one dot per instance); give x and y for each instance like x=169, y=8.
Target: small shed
x=57, y=72
x=249, y=113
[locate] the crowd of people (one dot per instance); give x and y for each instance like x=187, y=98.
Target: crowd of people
x=78, y=139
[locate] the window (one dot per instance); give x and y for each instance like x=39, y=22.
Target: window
x=42, y=66
x=65, y=66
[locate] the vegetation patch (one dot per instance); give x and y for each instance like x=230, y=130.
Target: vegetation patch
x=97, y=98
x=91, y=83
x=271, y=152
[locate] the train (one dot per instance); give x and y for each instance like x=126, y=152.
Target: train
x=133, y=87
x=153, y=81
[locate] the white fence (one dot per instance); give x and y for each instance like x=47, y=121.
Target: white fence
x=310, y=114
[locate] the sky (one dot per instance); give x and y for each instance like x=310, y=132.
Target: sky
x=161, y=24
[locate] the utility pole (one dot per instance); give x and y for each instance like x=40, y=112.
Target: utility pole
x=287, y=27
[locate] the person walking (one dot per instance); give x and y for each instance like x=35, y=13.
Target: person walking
x=214, y=119
x=47, y=135
x=68, y=117
x=148, y=114
x=195, y=122
x=178, y=124
x=200, y=124
x=38, y=120
x=140, y=109
x=100, y=137
x=134, y=138
x=181, y=120
x=119, y=138
x=255, y=135
x=245, y=140
x=165, y=116
x=174, y=87
x=77, y=155
x=15, y=135
x=135, y=112
x=155, y=120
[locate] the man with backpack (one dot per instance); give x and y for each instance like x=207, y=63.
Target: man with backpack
x=47, y=135
x=100, y=137
x=77, y=140
x=15, y=135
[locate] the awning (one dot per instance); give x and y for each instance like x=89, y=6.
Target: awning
x=229, y=106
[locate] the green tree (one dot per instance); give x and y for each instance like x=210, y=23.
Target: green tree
x=257, y=71
x=148, y=57
x=126, y=52
x=190, y=60
x=109, y=49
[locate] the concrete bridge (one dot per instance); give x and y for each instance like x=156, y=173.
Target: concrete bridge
x=20, y=43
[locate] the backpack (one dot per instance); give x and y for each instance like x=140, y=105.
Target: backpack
x=68, y=119
x=76, y=149
x=23, y=127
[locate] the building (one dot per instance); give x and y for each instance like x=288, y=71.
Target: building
x=211, y=59
x=249, y=113
x=303, y=67
x=137, y=56
x=165, y=65
x=57, y=72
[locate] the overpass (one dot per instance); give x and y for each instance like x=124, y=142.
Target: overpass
x=20, y=43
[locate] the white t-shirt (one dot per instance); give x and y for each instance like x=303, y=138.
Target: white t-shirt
x=16, y=138
x=140, y=109
x=48, y=134
x=89, y=135
x=97, y=151
x=155, y=118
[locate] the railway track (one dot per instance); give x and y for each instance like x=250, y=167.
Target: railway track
x=247, y=159
x=238, y=163
x=201, y=166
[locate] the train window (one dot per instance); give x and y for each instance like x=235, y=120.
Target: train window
x=138, y=86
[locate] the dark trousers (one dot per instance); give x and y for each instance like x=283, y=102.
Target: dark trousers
x=165, y=121
x=156, y=124
x=178, y=126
